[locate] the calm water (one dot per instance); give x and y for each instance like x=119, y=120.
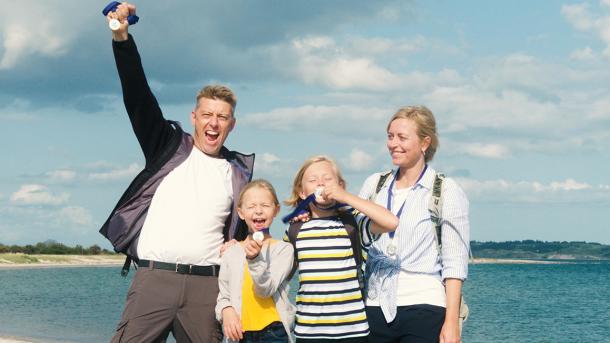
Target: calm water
x=509, y=303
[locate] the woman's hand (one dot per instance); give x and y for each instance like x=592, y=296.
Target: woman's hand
x=231, y=324
x=450, y=333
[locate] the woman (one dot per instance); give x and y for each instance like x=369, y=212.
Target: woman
x=413, y=289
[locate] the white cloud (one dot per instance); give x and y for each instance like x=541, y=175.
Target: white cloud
x=33, y=194
x=330, y=119
x=117, y=174
x=39, y=29
x=61, y=175
x=566, y=191
x=365, y=46
x=585, y=54
x=321, y=61
x=268, y=164
x=75, y=215
x=582, y=19
x=491, y=150
x=358, y=160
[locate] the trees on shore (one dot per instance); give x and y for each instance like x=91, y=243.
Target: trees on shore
x=51, y=247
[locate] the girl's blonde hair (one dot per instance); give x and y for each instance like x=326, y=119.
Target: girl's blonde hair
x=297, y=184
x=260, y=183
x=426, y=126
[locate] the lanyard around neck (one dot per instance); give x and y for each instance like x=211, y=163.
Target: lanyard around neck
x=390, y=195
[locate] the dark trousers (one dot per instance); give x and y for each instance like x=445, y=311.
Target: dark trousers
x=413, y=324
x=273, y=333
x=162, y=301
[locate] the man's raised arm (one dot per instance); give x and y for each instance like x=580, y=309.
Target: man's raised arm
x=151, y=129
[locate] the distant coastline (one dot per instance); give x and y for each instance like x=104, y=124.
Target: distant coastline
x=20, y=260
x=11, y=339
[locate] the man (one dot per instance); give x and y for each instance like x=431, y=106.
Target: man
x=176, y=214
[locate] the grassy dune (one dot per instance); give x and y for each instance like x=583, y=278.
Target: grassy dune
x=10, y=259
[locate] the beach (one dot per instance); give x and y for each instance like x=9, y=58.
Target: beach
x=12, y=340
x=19, y=261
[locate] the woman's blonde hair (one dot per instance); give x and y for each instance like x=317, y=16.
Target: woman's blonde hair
x=426, y=126
x=260, y=183
x=297, y=184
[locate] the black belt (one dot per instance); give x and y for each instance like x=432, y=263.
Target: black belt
x=191, y=269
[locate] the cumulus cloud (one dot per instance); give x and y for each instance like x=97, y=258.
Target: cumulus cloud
x=585, y=54
x=33, y=194
x=566, y=191
x=324, y=119
x=267, y=164
x=61, y=175
x=490, y=150
x=75, y=215
x=358, y=160
x=41, y=32
x=582, y=19
x=321, y=61
x=116, y=174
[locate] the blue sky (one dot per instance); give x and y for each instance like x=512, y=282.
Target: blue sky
x=520, y=89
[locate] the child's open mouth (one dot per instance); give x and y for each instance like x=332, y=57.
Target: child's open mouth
x=259, y=223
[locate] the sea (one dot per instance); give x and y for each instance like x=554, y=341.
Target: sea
x=566, y=302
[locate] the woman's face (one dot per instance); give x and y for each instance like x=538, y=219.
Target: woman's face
x=404, y=145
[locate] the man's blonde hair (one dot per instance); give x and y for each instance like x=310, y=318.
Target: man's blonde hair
x=426, y=126
x=297, y=184
x=259, y=183
x=218, y=92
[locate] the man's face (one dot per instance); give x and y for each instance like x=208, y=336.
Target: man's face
x=212, y=120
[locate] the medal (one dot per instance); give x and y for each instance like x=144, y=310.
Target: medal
x=114, y=24
x=258, y=236
x=391, y=249
x=372, y=293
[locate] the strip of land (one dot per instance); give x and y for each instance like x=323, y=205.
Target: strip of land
x=19, y=261
x=9, y=261
x=12, y=340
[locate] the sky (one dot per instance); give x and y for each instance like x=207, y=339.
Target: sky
x=520, y=91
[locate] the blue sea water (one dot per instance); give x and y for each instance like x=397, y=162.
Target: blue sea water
x=508, y=302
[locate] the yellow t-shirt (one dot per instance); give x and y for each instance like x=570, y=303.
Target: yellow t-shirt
x=256, y=312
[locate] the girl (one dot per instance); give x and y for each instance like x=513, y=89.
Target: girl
x=413, y=289
x=253, y=304
x=329, y=301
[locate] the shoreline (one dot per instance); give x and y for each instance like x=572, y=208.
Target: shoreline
x=22, y=261
x=71, y=261
x=13, y=339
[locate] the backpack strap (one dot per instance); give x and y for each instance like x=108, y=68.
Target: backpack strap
x=292, y=233
x=436, y=209
x=349, y=222
x=351, y=227
x=382, y=178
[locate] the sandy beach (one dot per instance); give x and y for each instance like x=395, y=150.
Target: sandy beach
x=20, y=261
x=12, y=340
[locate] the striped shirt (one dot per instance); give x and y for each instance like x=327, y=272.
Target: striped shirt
x=329, y=301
